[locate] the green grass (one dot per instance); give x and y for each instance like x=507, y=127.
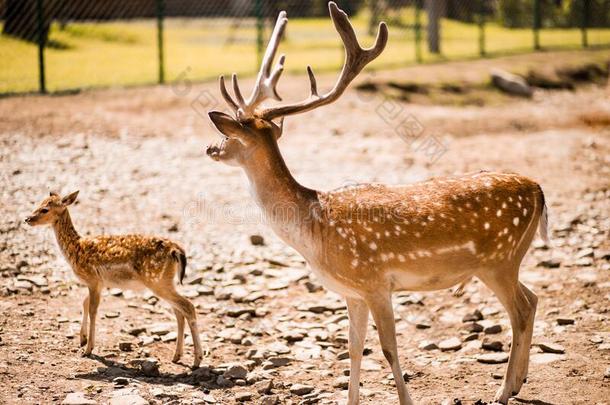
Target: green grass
x=125, y=53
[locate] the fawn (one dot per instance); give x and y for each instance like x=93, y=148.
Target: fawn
x=123, y=261
x=367, y=241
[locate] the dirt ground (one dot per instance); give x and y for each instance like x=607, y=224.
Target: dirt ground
x=137, y=157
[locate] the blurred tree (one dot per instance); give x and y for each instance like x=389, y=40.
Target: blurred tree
x=21, y=20
x=435, y=10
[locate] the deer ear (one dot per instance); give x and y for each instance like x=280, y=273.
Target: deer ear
x=53, y=194
x=229, y=126
x=278, y=128
x=69, y=199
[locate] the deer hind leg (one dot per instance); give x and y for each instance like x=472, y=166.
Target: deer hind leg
x=186, y=308
x=180, y=339
x=358, y=313
x=521, y=307
x=83, y=324
x=383, y=314
x=94, y=302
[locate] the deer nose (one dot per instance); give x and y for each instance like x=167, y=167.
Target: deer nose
x=28, y=220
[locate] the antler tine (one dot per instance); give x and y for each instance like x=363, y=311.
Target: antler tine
x=240, y=99
x=312, y=82
x=266, y=81
x=356, y=58
x=226, y=95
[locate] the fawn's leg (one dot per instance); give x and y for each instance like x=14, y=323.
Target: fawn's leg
x=83, y=324
x=180, y=340
x=94, y=302
x=358, y=314
x=186, y=308
x=383, y=314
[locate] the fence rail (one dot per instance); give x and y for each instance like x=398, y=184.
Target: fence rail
x=64, y=44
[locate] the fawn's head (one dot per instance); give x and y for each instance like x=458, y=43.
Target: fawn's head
x=50, y=209
x=253, y=125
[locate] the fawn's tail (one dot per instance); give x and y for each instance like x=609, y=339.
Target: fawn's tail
x=180, y=257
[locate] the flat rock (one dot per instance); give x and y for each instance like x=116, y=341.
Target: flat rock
x=236, y=371
x=510, y=83
x=341, y=382
x=301, y=389
x=493, y=329
x=450, y=344
x=494, y=346
x=545, y=358
x=493, y=358
x=244, y=396
x=428, y=345
x=264, y=387
x=77, y=398
x=549, y=264
x=565, y=321
x=551, y=348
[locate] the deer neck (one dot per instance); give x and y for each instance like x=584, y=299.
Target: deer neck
x=66, y=235
x=288, y=206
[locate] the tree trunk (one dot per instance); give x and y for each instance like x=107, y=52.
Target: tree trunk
x=21, y=20
x=435, y=10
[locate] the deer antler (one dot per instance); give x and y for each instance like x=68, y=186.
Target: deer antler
x=356, y=58
x=266, y=80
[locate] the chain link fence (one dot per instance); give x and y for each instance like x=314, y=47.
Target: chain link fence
x=59, y=45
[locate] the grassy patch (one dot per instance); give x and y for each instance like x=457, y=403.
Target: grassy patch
x=125, y=53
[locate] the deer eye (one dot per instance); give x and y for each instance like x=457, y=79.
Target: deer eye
x=44, y=210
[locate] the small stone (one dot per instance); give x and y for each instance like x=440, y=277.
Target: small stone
x=264, y=387
x=125, y=346
x=545, y=358
x=586, y=252
x=428, y=345
x=236, y=371
x=565, y=321
x=243, y=396
x=150, y=367
x=450, y=344
x=473, y=327
x=77, y=398
x=120, y=381
x=473, y=317
x=257, y=240
x=341, y=383
x=471, y=337
x=550, y=263
x=493, y=329
x=343, y=355
x=173, y=228
x=270, y=400
x=607, y=373
x=301, y=389
x=170, y=337
x=551, y=348
x=128, y=399
x=494, y=346
x=112, y=315
x=493, y=358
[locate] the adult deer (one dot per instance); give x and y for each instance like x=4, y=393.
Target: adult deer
x=367, y=241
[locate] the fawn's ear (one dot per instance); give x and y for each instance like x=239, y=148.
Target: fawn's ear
x=69, y=199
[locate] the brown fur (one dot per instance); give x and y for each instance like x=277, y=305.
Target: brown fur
x=123, y=261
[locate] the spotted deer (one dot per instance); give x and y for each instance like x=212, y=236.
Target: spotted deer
x=123, y=261
x=367, y=241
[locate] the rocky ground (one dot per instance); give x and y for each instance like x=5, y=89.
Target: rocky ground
x=274, y=335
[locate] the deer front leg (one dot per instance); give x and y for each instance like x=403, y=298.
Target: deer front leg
x=180, y=340
x=358, y=313
x=383, y=314
x=94, y=302
x=83, y=324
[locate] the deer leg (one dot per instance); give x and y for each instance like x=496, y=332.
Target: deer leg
x=94, y=302
x=383, y=314
x=358, y=313
x=186, y=308
x=180, y=339
x=83, y=324
x=521, y=312
x=529, y=331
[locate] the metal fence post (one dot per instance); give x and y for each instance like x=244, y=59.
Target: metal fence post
x=260, y=27
x=160, y=46
x=41, y=44
x=482, y=27
x=585, y=23
x=537, y=24
x=417, y=27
